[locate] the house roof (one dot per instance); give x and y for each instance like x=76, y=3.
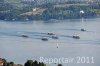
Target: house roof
x=1, y=61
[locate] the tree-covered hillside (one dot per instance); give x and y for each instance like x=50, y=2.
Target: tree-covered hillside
x=19, y=10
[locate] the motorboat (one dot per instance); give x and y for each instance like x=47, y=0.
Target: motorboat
x=25, y=36
x=83, y=30
x=50, y=33
x=54, y=37
x=44, y=39
x=76, y=37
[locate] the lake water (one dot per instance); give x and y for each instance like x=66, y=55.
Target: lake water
x=15, y=48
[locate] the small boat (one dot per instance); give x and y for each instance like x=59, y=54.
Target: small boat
x=83, y=30
x=25, y=36
x=54, y=37
x=44, y=39
x=50, y=33
x=76, y=37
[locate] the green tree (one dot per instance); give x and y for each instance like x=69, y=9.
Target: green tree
x=59, y=64
x=35, y=63
x=8, y=64
x=1, y=0
x=11, y=63
x=29, y=63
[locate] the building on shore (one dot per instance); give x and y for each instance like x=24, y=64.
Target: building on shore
x=1, y=62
